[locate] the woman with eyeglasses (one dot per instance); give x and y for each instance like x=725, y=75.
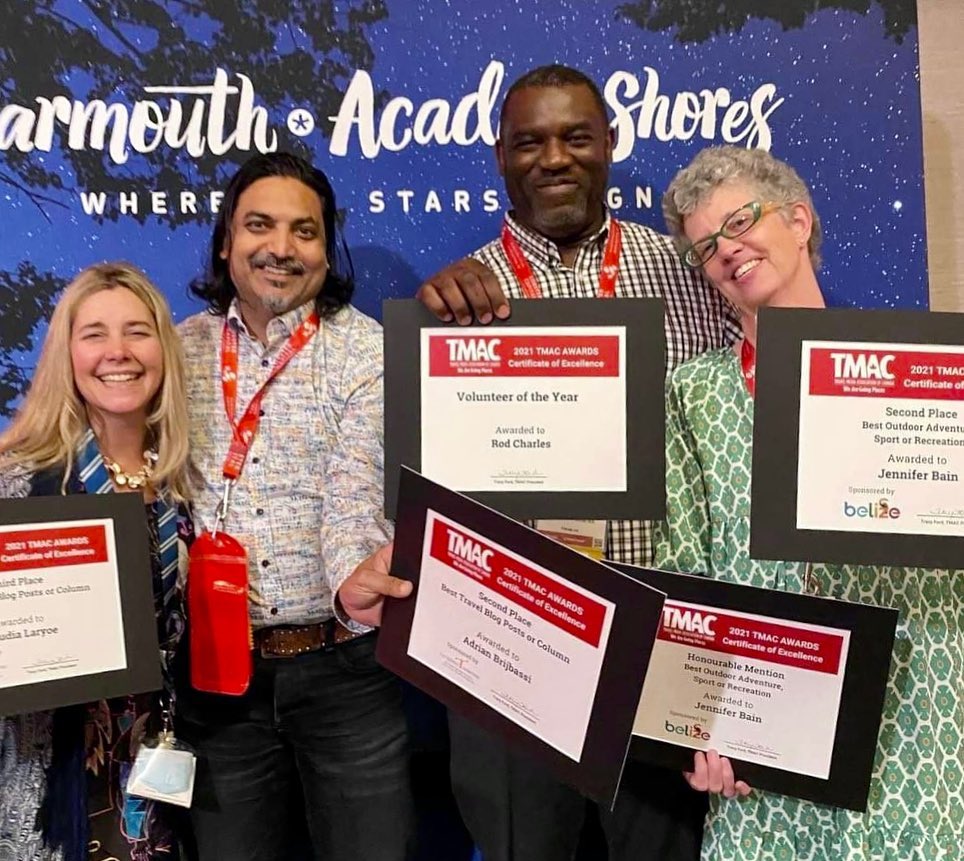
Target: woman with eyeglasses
x=748, y=221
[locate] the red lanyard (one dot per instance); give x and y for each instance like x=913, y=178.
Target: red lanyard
x=748, y=362
x=527, y=280
x=244, y=430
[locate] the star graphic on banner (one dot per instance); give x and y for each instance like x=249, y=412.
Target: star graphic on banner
x=301, y=122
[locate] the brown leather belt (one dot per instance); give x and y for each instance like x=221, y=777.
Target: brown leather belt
x=286, y=641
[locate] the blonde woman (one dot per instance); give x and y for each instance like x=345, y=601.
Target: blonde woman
x=106, y=412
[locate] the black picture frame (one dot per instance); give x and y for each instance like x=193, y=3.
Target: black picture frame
x=633, y=630
x=644, y=496
x=872, y=631
x=143, y=670
x=776, y=437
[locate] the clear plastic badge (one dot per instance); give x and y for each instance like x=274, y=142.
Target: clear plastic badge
x=163, y=770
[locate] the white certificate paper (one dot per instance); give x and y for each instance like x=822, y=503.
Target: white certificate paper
x=752, y=687
x=525, y=409
x=60, y=607
x=881, y=438
x=524, y=641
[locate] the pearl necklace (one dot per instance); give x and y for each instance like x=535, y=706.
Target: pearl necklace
x=133, y=480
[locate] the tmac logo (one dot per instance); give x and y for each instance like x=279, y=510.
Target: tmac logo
x=862, y=366
x=473, y=349
x=691, y=621
x=469, y=550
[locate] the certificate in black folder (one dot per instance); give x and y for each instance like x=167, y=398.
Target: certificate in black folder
x=76, y=601
x=554, y=413
x=518, y=633
x=790, y=687
x=858, y=437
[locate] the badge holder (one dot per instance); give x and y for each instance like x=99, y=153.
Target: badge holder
x=217, y=601
x=163, y=769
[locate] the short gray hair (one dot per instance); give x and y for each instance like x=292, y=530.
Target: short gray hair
x=772, y=180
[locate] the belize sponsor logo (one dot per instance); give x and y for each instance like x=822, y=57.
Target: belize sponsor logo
x=687, y=730
x=881, y=510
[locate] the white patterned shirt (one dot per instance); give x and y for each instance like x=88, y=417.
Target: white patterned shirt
x=696, y=315
x=308, y=504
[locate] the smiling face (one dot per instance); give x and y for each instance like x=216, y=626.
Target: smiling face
x=554, y=151
x=116, y=355
x=764, y=264
x=275, y=249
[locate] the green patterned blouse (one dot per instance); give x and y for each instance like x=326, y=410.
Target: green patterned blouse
x=916, y=806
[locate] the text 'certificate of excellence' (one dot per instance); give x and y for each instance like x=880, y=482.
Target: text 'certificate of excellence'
x=881, y=438
x=522, y=407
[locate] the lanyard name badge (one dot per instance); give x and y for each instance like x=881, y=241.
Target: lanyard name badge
x=586, y=536
x=163, y=768
x=220, y=625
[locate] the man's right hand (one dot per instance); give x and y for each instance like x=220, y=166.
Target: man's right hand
x=463, y=290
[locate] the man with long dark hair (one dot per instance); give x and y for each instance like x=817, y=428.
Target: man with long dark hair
x=285, y=397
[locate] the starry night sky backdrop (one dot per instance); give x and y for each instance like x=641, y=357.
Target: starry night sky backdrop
x=849, y=122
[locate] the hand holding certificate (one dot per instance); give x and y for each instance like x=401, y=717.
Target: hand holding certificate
x=523, y=636
x=790, y=687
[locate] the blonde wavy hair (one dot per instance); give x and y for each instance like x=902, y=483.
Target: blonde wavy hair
x=53, y=417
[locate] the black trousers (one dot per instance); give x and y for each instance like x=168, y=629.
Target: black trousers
x=326, y=728
x=517, y=811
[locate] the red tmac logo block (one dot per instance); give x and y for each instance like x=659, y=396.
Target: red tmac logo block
x=507, y=355
x=521, y=586
x=887, y=373
x=773, y=642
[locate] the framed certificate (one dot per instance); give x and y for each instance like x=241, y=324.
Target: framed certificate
x=858, y=438
x=525, y=637
x=789, y=687
x=555, y=413
x=76, y=601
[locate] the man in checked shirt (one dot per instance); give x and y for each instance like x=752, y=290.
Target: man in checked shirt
x=554, y=151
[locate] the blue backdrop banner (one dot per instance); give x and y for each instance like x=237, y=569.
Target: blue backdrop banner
x=121, y=122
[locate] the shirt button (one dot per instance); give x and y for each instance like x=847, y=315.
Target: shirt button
x=274, y=611
x=259, y=511
x=265, y=563
x=265, y=363
x=256, y=460
x=260, y=412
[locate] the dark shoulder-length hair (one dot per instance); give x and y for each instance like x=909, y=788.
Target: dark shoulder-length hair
x=215, y=287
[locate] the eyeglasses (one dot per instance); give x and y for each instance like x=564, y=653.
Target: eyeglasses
x=737, y=224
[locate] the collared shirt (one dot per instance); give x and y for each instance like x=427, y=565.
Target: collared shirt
x=308, y=504
x=697, y=317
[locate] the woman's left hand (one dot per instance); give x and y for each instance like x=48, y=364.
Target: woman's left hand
x=714, y=773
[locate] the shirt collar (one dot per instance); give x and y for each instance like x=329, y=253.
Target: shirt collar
x=537, y=248
x=279, y=327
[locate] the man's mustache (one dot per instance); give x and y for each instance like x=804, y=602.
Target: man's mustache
x=291, y=265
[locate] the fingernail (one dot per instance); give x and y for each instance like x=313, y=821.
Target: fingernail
x=485, y=318
x=464, y=320
x=502, y=312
